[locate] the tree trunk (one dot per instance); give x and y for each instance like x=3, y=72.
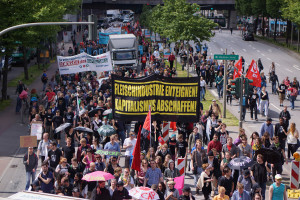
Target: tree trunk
x=275, y=29
x=263, y=26
x=255, y=25
x=288, y=32
x=25, y=64
x=4, y=80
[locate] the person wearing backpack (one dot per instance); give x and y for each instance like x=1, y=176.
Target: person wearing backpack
x=293, y=95
x=44, y=80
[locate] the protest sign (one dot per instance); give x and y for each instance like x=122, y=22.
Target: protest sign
x=84, y=62
x=36, y=130
x=107, y=152
x=28, y=141
x=171, y=99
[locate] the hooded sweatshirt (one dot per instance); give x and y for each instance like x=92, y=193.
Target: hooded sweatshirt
x=171, y=173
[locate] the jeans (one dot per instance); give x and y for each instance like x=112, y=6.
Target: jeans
x=264, y=106
x=28, y=175
x=292, y=101
x=202, y=93
x=196, y=176
x=19, y=104
x=220, y=90
x=122, y=136
x=274, y=89
x=263, y=189
x=253, y=108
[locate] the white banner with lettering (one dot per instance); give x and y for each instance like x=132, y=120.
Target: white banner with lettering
x=84, y=62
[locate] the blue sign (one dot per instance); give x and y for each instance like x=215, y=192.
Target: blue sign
x=141, y=49
x=104, y=37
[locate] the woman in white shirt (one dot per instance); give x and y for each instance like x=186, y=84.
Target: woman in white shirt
x=211, y=123
x=202, y=89
x=292, y=139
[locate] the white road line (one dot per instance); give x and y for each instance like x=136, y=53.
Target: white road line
x=232, y=41
x=221, y=49
x=268, y=58
x=263, y=54
x=269, y=50
x=276, y=107
x=296, y=67
x=288, y=70
x=244, y=50
x=258, y=51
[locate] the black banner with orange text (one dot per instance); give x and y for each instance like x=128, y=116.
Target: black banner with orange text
x=171, y=99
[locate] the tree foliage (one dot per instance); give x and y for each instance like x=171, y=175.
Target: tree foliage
x=175, y=20
x=291, y=10
x=244, y=7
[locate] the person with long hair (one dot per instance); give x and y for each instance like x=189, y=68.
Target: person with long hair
x=204, y=182
x=141, y=174
x=127, y=179
x=150, y=154
x=161, y=189
x=159, y=163
x=253, y=137
x=292, y=139
x=266, y=140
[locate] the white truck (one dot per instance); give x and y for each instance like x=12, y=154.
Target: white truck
x=112, y=15
x=124, y=50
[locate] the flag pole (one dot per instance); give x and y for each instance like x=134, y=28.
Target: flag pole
x=150, y=124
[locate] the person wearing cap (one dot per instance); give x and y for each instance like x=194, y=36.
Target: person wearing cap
x=171, y=192
x=277, y=190
x=267, y=127
x=121, y=192
x=100, y=192
x=246, y=180
x=129, y=145
x=240, y=193
x=186, y=194
x=30, y=161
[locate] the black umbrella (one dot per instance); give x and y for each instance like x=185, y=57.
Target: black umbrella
x=270, y=155
x=93, y=112
x=240, y=163
x=83, y=129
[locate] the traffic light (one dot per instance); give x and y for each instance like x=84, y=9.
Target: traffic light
x=211, y=8
x=236, y=89
x=93, y=27
x=248, y=87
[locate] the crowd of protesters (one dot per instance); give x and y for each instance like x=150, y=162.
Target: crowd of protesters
x=66, y=156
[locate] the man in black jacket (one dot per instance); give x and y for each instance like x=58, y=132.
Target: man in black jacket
x=120, y=193
x=31, y=164
x=280, y=130
x=285, y=114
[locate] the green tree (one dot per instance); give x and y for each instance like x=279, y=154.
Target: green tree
x=273, y=9
x=244, y=7
x=291, y=10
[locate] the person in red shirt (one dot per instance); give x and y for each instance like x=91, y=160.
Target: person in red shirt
x=214, y=144
x=171, y=60
x=50, y=95
x=144, y=61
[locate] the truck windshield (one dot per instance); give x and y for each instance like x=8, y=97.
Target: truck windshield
x=124, y=55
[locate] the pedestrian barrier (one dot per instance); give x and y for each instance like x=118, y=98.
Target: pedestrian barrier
x=295, y=172
x=181, y=165
x=165, y=132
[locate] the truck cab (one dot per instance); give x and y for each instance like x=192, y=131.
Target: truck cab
x=123, y=49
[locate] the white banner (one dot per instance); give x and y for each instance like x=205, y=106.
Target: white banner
x=84, y=62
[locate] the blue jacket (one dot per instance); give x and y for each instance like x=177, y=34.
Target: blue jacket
x=244, y=196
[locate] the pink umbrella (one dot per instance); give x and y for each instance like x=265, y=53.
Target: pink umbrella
x=98, y=176
x=143, y=193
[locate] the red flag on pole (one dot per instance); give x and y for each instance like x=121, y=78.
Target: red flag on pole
x=173, y=126
x=136, y=161
x=239, y=66
x=253, y=74
x=147, y=125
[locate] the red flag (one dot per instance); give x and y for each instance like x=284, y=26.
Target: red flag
x=253, y=74
x=161, y=140
x=173, y=126
x=147, y=126
x=136, y=161
x=239, y=66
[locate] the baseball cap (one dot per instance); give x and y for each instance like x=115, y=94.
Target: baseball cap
x=120, y=183
x=186, y=189
x=278, y=176
x=213, y=100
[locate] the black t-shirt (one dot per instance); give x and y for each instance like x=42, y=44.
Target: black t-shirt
x=67, y=191
x=48, y=118
x=57, y=121
x=266, y=97
x=68, y=153
x=283, y=88
x=181, y=148
x=54, y=157
x=172, y=146
x=69, y=117
x=259, y=172
x=226, y=183
x=253, y=99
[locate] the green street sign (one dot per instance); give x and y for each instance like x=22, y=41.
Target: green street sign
x=226, y=57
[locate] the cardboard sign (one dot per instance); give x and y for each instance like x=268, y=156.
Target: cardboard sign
x=28, y=141
x=36, y=130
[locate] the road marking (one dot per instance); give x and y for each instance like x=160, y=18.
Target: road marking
x=221, y=49
x=288, y=70
x=244, y=50
x=277, y=64
x=276, y=107
x=211, y=53
x=268, y=58
x=214, y=93
x=232, y=41
x=296, y=67
x=269, y=50
x=263, y=54
x=258, y=51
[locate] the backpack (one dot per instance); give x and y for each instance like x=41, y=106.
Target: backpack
x=294, y=92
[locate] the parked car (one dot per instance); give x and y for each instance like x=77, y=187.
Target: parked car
x=248, y=36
